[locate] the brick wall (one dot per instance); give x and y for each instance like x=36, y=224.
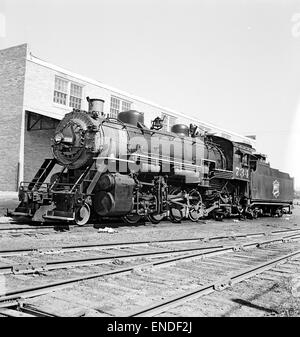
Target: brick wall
x=12, y=75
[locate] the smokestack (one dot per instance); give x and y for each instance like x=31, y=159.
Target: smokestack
x=95, y=106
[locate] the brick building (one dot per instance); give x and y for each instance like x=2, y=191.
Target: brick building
x=35, y=95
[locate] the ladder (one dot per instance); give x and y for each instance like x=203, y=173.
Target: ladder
x=84, y=177
x=42, y=174
x=88, y=180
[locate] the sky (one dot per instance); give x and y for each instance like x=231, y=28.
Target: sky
x=232, y=63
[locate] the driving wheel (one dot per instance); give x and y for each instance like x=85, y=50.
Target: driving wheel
x=195, y=205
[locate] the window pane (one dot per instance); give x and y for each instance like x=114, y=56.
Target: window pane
x=60, y=98
x=75, y=102
x=60, y=91
x=126, y=105
x=165, y=118
x=168, y=122
x=172, y=121
x=114, y=106
x=76, y=90
x=61, y=85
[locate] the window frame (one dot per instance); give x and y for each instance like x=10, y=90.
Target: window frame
x=76, y=97
x=166, y=124
x=119, y=107
x=67, y=93
x=56, y=79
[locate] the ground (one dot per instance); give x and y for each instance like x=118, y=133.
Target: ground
x=165, y=230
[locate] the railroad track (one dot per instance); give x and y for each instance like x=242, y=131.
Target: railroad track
x=12, y=298
x=74, y=248
x=291, y=259
x=115, y=251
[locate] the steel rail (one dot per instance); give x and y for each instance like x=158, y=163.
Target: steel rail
x=12, y=297
x=31, y=310
x=14, y=313
x=87, y=261
x=136, y=243
x=210, y=287
x=24, y=310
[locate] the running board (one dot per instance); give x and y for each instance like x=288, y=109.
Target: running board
x=19, y=214
x=55, y=217
x=262, y=203
x=59, y=215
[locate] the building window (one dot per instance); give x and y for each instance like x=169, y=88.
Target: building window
x=125, y=106
x=117, y=105
x=75, y=96
x=67, y=93
x=172, y=121
x=60, y=91
x=168, y=121
x=114, y=107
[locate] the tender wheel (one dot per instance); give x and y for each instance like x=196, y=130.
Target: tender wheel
x=255, y=214
x=132, y=218
x=82, y=216
x=155, y=218
x=249, y=214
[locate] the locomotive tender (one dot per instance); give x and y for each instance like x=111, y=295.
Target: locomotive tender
x=121, y=168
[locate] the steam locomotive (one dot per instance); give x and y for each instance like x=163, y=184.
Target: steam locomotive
x=118, y=167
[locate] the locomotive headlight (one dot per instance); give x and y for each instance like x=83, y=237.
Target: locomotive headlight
x=58, y=137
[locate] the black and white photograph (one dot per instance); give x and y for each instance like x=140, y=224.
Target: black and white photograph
x=149, y=161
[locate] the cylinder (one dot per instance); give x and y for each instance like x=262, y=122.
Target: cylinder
x=103, y=203
x=106, y=182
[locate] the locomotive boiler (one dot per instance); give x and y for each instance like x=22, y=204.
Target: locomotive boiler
x=118, y=167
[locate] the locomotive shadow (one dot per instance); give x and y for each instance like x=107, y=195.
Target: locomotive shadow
x=57, y=226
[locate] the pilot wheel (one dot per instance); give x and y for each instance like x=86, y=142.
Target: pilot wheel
x=82, y=216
